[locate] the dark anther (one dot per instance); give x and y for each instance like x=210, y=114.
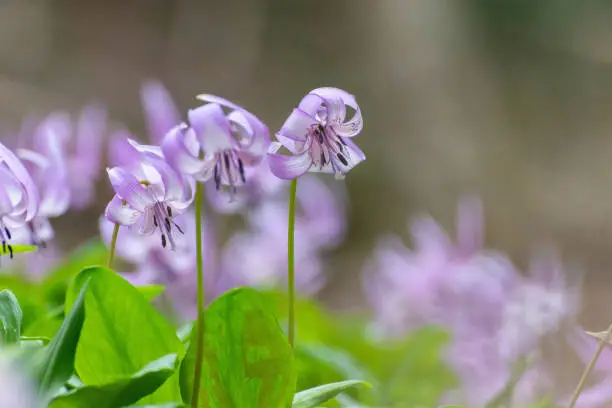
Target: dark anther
x=163, y=240
x=7, y=232
x=320, y=134
x=168, y=225
x=179, y=229
x=4, y=247
x=169, y=211
x=342, y=141
x=322, y=159
x=340, y=146
x=227, y=161
x=342, y=159
x=217, y=178
x=10, y=248
x=241, y=170
x=155, y=222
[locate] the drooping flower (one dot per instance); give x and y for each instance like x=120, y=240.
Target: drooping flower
x=18, y=196
x=217, y=145
x=319, y=136
x=43, y=155
x=149, y=194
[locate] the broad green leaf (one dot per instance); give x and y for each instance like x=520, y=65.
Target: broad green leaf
x=247, y=360
x=44, y=326
x=19, y=249
x=121, y=392
x=168, y=405
x=10, y=318
x=313, y=397
x=122, y=333
x=150, y=292
x=56, y=364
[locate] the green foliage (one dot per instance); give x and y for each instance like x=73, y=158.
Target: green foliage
x=121, y=392
x=247, y=360
x=10, y=318
x=122, y=333
x=56, y=363
x=313, y=397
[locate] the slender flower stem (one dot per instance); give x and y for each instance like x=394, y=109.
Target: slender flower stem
x=590, y=367
x=195, y=395
x=111, y=255
x=291, y=261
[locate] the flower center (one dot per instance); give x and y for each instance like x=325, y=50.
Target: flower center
x=5, y=236
x=328, y=148
x=162, y=219
x=229, y=169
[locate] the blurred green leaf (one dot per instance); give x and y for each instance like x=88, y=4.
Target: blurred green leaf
x=56, y=363
x=19, y=249
x=121, y=392
x=168, y=405
x=122, y=333
x=10, y=318
x=313, y=397
x=44, y=326
x=150, y=292
x=247, y=360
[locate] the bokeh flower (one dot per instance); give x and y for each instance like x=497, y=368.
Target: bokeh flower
x=149, y=194
x=217, y=145
x=319, y=136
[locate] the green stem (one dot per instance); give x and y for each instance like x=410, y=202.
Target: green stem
x=197, y=376
x=291, y=261
x=590, y=367
x=113, y=244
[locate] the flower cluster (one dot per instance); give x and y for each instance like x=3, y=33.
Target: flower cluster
x=495, y=314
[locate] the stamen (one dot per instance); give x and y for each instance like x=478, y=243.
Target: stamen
x=241, y=170
x=155, y=222
x=10, y=248
x=322, y=158
x=342, y=141
x=4, y=247
x=168, y=225
x=169, y=210
x=320, y=134
x=340, y=146
x=217, y=177
x=178, y=227
x=163, y=240
x=342, y=159
x=7, y=232
x=227, y=162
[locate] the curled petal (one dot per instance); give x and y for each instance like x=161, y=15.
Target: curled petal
x=120, y=213
x=150, y=149
x=296, y=128
x=160, y=110
x=354, y=125
x=257, y=138
x=120, y=151
x=172, y=183
x=219, y=101
x=130, y=189
x=22, y=175
x=181, y=151
x=212, y=128
x=289, y=167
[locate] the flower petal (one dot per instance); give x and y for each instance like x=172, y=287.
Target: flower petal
x=161, y=113
x=120, y=213
x=129, y=189
x=212, y=128
x=143, y=148
x=177, y=151
x=354, y=125
x=296, y=128
x=256, y=136
x=22, y=175
x=289, y=167
x=219, y=101
x=89, y=137
x=120, y=151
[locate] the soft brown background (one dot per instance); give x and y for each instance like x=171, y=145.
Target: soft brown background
x=507, y=99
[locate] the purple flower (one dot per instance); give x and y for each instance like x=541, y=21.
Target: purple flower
x=18, y=196
x=217, y=145
x=161, y=113
x=318, y=135
x=17, y=390
x=149, y=194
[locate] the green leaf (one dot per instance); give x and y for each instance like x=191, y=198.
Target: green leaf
x=10, y=318
x=248, y=362
x=150, y=292
x=168, y=405
x=121, y=392
x=122, y=333
x=313, y=397
x=88, y=254
x=19, y=249
x=56, y=364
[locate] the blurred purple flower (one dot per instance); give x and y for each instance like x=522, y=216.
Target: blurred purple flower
x=217, y=145
x=19, y=198
x=17, y=390
x=161, y=113
x=149, y=193
x=254, y=257
x=493, y=313
x=318, y=136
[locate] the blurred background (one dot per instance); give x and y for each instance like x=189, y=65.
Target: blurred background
x=509, y=100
